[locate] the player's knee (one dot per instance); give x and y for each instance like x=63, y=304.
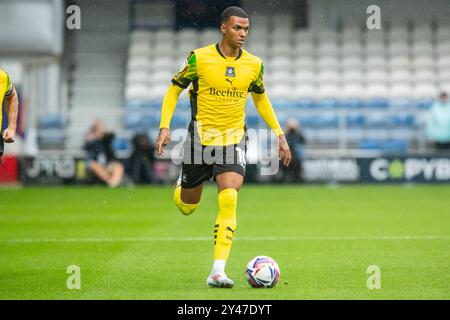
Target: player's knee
x=185, y=208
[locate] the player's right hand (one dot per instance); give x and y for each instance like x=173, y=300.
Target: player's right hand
x=8, y=135
x=162, y=140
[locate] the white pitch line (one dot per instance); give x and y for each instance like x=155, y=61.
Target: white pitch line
x=262, y=238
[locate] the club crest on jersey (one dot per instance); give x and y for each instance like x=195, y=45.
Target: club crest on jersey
x=231, y=72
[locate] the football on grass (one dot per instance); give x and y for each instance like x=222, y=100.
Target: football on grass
x=262, y=272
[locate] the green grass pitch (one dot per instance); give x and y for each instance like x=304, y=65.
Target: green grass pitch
x=134, y=244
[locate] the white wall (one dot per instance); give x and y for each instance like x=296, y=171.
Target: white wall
x=30, y=27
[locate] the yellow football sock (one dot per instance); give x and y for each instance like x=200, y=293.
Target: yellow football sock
x=225, y=224
x=185, y=208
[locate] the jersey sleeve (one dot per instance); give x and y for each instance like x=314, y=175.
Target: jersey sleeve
x=187, y=73
x=9, y=85
x=257, y=86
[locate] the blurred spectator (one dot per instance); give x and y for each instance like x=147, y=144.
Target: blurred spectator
x=142, y=159
x=295, y=140
x=438, y=123
x=100, y=159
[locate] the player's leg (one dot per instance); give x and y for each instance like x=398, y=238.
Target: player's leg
x=228, y=184
x=188, y=191
x=100, y=171
x=116, y=171
x=229, y=178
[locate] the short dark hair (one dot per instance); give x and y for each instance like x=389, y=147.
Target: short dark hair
x=232, y=11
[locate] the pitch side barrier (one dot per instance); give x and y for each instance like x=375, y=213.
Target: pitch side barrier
x=62, y=168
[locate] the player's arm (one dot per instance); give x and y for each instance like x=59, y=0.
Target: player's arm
x=12, y=109
x=267, y=113
x=180, y=82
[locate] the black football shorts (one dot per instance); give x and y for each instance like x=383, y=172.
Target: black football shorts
x=201, y=163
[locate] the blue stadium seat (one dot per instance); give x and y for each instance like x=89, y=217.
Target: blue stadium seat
x=132, y=121
x=121, y=144
x=328, y=103
x=377, y=121
x=134, y=105
x=180, y=121
x=307, y=121
x=424, y=103
x=401, y=103
x=51, y=133
x=394, y=146
x=328, y=121
x=305, y=103
x=356, y=120
x=353, y=103
x=406, y=120
x=150, y=121
x=378, y=103
x=280, y=103
x=252, y=121
x=183, y=103
x=370, y=144
x=51, y=121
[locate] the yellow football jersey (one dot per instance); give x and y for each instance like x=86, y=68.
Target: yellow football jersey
x=6, y=88
x=219, y=89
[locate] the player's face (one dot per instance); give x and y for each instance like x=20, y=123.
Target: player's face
x=235, y=31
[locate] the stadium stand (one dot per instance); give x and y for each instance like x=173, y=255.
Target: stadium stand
x=373, y=85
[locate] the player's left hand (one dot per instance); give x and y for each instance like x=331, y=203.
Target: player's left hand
x=9, y=135
x=283, y=150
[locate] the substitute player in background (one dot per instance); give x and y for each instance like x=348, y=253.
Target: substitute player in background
x=8, y=93
x=221, y=74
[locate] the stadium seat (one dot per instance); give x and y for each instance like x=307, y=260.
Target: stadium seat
x=328, y=91
x=304, y=76
x=377, y=103
x=351, y=48
x=425, y=90
x=132, y=120
x=140, y=36
x=137, y=92
x=355, y=120
x=376, y=75
x=328, y=103
x=377, y=89
x=353, y=102
x=394, y=146
x=139, y=63
x=137, y=77
x=305, y=103
x=400, y=90
x=399, y=62
x=375, y=62
x=305, y=90
x=401, y=102
x=353, y=76
x=370, y=144
x=424, y=103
